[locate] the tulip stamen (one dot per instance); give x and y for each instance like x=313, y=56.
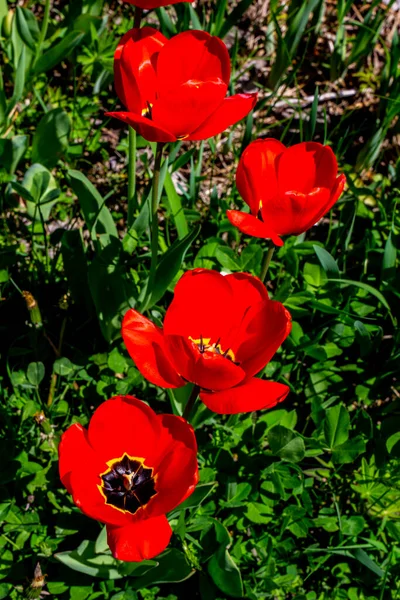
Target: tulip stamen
x=204, y=345
x=147, y=112
x=127, y=485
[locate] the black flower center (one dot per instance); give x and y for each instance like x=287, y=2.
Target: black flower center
x=128, y=484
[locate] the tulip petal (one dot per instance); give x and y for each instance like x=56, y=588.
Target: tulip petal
x=253, y=394
x=144, y=126
x=306, y=166
x=80, y=468
x=146, y=346
x=265, y=327
x=124, y=425
x=232, y=110
x=250, y=225
x=141, y=540
x=177, y=473
x=256, y=177
x=192, y=55
x=183, y=109
x=73, y=445
x=135, y=67
x=202, y=306
x=209, y=370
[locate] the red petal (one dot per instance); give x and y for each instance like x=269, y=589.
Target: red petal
x=192, y=55
x=141, y=540
x=263, y=330
x=306, y=166
x=144, y=126
x=250, y=225
x=124, y=425
x=231, y=111
x=209, y=370
x=73, y=445
x=248, y=291
x=253, y=394
x=202, y=306
x=256, y=174
x=135, y=67
x=80, y=469
x=177, y=473
x=146, y=346
x=183, y=109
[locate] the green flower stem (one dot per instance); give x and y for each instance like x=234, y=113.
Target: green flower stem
x=154, y=221
x=264, y=270
x=190, y=403
x=131, y=176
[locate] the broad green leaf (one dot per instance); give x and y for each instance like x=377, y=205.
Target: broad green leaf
x=327, y=261
x=172, y=567
x=389, y=255
x=285, y=444
x=228, y=259
x=97, y=216
x=51, y=138
x=42, y=192
x=11, y=152
x=346, y=453
x=336, y=426
x=206, y=256
x=225, y=573
x=352, y=526
x=35, y=373
x=58, y=52
x=242, y=491
x=393, y=444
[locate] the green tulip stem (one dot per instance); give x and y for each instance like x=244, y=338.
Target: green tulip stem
x=265, y=267
x=154, y=219
x=190, y=403
x=131, y=176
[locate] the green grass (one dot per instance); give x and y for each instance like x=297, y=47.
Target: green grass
x=299, y=502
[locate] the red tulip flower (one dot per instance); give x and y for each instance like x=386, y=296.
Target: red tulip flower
x=287, y=189
x=219, y=331
x=175, y=89
x=128, y=470
x=148, y=4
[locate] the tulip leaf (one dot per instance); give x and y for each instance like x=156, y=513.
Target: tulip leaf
x=367, y=288
x=59, y=52
x=51, y=138
x=27, y=27
x=336, y=426
x=327, y=261
x=169, y=266
x=172, y=568
x=11, y=152
x=225, y=573
x=175, y=206
x=86, y=560
x=97, y=216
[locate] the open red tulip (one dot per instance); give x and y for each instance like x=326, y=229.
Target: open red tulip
x=287, y=189
x=148, y=4
x=175, y=89
x=128, y=470
x=219, y=331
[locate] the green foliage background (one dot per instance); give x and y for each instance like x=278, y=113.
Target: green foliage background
x=299, y=502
